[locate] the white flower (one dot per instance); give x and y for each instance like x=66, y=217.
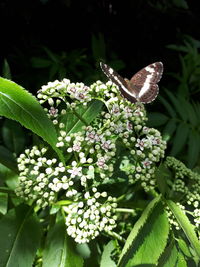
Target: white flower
x=101, y=162
x=75, y=171
x=76, y=146
x=115, y=109
x=106, y=145
x=140, y=143
x=146, y=163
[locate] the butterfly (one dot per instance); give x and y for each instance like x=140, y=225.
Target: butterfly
x=142, y=87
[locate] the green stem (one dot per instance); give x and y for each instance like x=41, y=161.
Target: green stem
x=117, y=236
x=125, y=210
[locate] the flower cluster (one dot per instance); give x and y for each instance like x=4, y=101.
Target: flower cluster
x=40, y=178
x=186, y=186
x=94, y=214
x=92, y=148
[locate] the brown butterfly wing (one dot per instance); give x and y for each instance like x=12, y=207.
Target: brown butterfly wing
x=123, y=84
x=155, y=70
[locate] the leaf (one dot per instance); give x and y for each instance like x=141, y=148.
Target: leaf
x=184, y=248
x=9, y=177
x=169, y=129
x=192, y=113
x=6, y=73
x=178, y=106
x=169, y=257
x=180, y=138
x=17, y=104
x=75, y=121
x=59, y=248
x=38, y=62
x=157, y=119
x=161, y=175
x=185, y=224
x=193, y=148
x=106, y=256
x=20, y=237
x=7, y=159
x=181, y=261
x=13, y=136
x=3, y=202
x=148, y=238
x=168, y=107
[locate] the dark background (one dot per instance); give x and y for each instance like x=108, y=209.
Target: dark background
x=45, y=40
x=134, y=32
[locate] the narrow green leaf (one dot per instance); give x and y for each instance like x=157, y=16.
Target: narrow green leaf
x=7, y=159
x=82, y=116
x=168, y=107
x=193, y=148
x=178, y=106
x=6, y=73
x=169, y=129
x=59, y=249
x=196, y=107
x=148, y=238
x=106, y=256
x=181, y=261
x=13, y=136
x=185, y=224
x=192, y=113
x=17, y=104
x=180, y=138
x=20, y=237
x=3, y=202
x=184, y=248
x=38, y=62
x=157, y=119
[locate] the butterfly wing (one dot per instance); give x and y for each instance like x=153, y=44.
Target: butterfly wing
x=122, y=84
x=143, y=85
x=145, y=82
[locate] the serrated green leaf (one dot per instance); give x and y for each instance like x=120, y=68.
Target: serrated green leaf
x=185, y=224
x=157, y=119
x=20, y=237
x=60, y=249
x=17, y=104
x=148, y=238
x=169, y=257
x=106, y=256
x=193, y=148
x=180, y=138
x=3, y=202
x=162, y=174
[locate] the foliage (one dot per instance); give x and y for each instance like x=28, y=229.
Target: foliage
x=94, y=188
x=180, y=119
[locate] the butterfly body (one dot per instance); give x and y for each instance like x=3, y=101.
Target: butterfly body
x=142, y=87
